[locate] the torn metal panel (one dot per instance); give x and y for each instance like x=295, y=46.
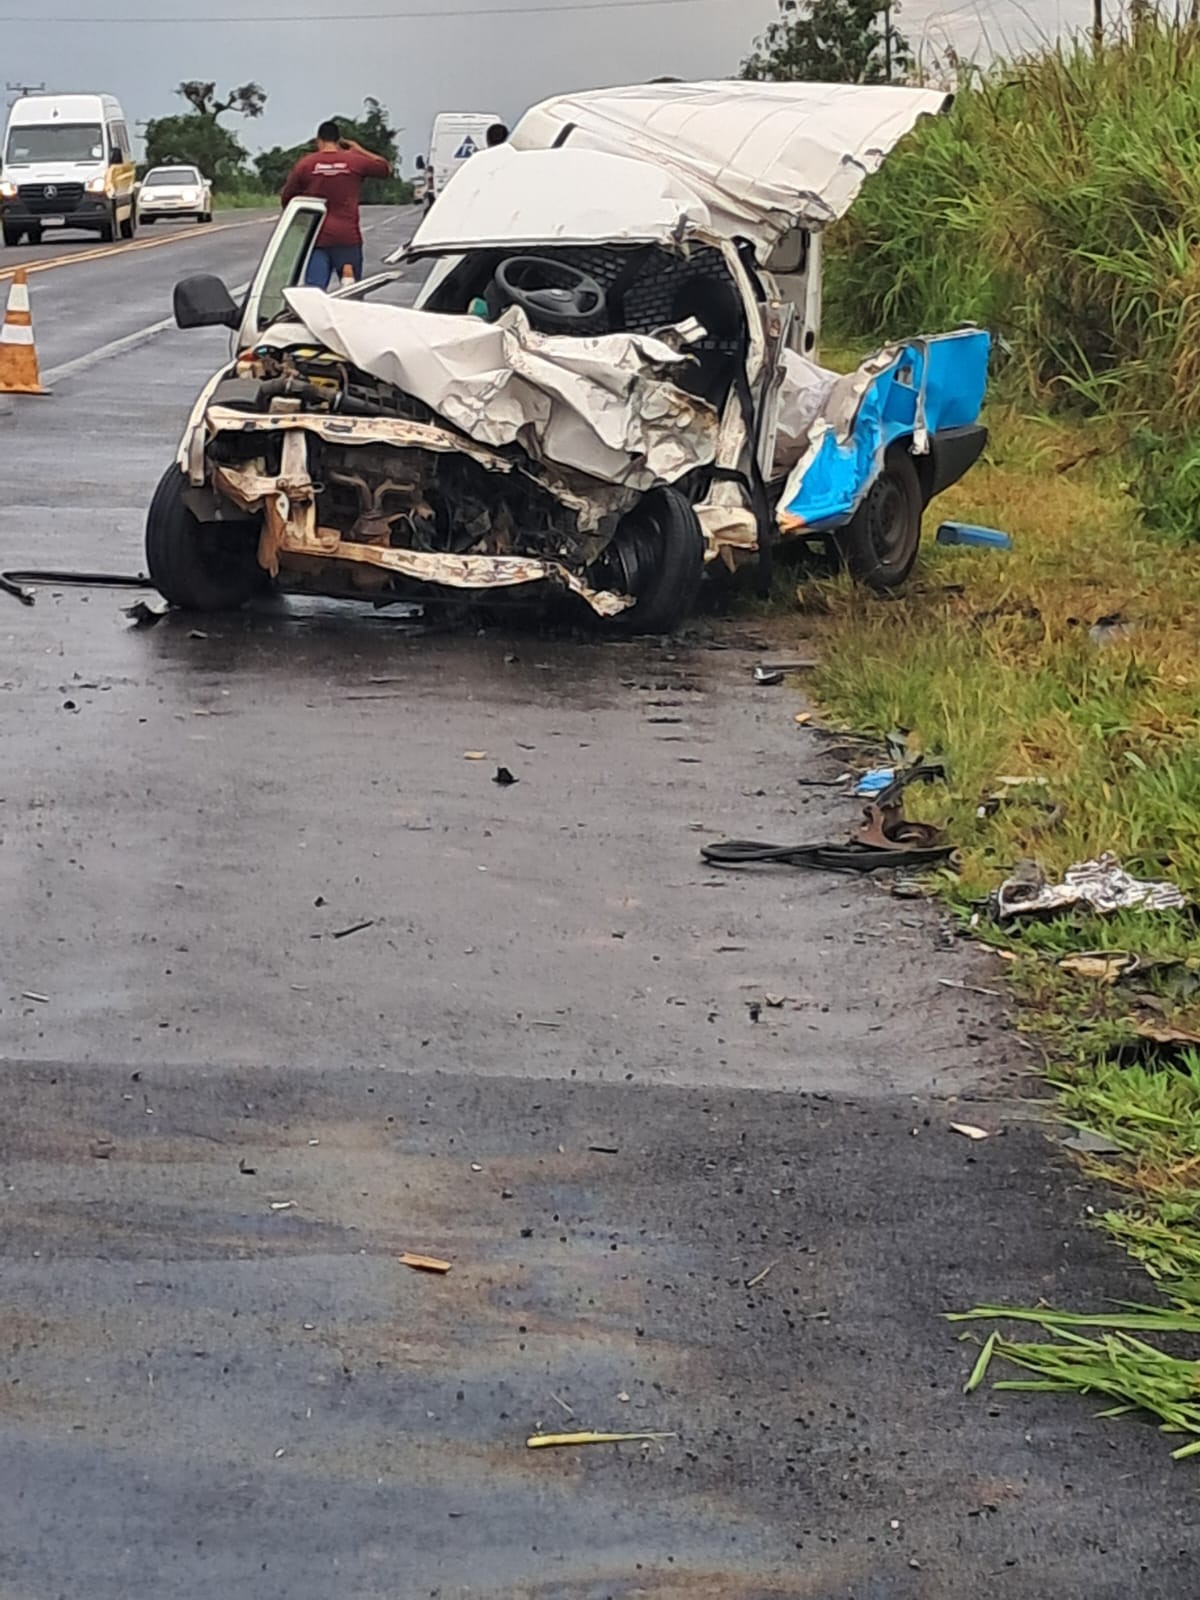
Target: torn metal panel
x=290, y=526
x=602, y=405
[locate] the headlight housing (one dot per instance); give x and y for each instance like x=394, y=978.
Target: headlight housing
x=8, y=191
x=96, y=186
x=190, y=196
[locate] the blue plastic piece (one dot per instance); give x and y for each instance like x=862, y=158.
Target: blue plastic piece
x=968, y=533
x=875, y=782
x=934, y=383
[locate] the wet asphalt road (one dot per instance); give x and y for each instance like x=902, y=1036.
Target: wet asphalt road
x=223, y=1123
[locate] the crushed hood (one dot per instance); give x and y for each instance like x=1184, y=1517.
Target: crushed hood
x=764, y=157
x=603, y=406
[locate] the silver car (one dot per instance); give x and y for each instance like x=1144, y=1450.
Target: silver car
x=175, y=192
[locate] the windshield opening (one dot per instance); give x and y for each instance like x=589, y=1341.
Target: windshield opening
x=163, y=177
x=57, y=141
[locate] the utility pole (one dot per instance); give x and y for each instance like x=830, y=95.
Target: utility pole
x=887, y=36
x=1098, y=25
x=18, y=91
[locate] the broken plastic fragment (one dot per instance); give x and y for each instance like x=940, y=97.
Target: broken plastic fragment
x=555, y=1441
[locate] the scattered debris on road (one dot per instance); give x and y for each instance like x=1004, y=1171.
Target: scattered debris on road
x=762, y=1276
x=359, y=927
x=1101, y=886
x=146, y=613
x=40, y=999
x=768, y=677
x=425, y=1263
x=560, y=1441
x=970, y=1131
x=504, y=778
x=875, y=782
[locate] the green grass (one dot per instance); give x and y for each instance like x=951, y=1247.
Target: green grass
x=988, y=660
x=1059, y=204
x=245, y=200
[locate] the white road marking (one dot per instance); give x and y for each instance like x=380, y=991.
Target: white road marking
x=116, y=347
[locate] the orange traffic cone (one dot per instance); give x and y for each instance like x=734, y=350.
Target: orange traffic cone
x=18, y=355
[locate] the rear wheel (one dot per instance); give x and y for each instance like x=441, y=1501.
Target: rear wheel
x=199, y=566
x=879, y=545
x=108, y=229
x=657, y=555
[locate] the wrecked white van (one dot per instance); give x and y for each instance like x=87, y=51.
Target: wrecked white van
x=607, y=381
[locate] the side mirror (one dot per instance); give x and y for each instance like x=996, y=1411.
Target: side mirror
x=205, y=302
x=420, y=163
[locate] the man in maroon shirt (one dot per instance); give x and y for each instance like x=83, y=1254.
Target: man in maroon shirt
x=335, y=172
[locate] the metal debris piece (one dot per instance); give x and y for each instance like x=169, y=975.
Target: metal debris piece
x=762, y=1276
x=970, y=1131
x=425, y=1263
x=145, y=613
x=31, y=994
x=1101, y=886
x=557, y=1441
x=768, y=677
x=474, y=755
x=359, y=927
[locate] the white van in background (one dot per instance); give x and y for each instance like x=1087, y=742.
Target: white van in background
x=456, y=136
x=67, y=162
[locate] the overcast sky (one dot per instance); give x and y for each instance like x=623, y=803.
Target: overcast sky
x=421, y=65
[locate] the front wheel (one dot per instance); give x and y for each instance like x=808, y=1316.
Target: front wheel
x=198, y=566
x=129, y=226
x=12, y=236
x=108, y=228
x=879, y=544
x=657, y=555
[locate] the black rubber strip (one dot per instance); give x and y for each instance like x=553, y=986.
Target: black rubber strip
x=848, y=857
x=80, y=580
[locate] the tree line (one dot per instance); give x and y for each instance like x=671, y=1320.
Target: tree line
x=199, y=138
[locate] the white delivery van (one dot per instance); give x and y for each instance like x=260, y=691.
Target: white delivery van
x=456, y=136
x=67, y=162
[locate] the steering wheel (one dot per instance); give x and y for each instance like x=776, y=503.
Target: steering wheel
x=555, y=297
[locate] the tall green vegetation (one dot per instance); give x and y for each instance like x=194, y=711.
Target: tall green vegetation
x=1059, y=203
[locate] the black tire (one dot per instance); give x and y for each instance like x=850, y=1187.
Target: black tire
x=658, y=556
x=129, y=226
x=34, y=235
x=12, y=236
x=108, y=229
x=198, y=566
x=205, y=216
x=879, y=545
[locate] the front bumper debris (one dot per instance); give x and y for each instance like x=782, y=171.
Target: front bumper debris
x=287, y=503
